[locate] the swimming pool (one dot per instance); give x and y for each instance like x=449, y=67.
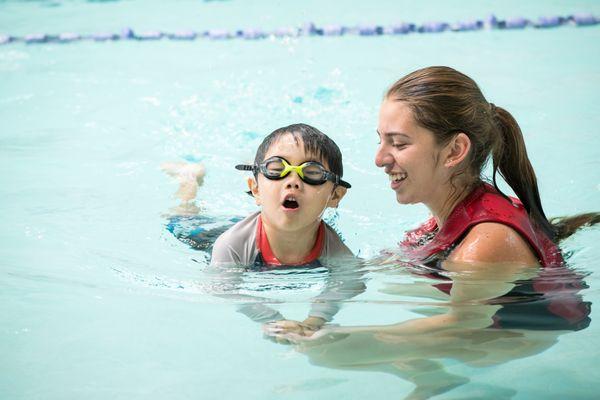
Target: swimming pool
x=99, y=300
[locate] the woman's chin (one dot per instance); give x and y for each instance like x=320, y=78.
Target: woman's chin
x=402, y=198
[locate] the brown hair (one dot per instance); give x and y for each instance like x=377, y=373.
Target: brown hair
x=447, y=102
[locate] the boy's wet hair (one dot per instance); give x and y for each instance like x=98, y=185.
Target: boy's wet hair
x=315, y=142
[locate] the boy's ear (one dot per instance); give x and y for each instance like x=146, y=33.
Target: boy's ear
x=253, y=186
x=457, y=150
x=338, y=194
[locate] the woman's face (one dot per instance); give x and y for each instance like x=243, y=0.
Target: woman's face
x=410, y=156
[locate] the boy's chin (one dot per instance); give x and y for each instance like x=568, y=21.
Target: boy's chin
x=291, y=222
x=290, y=226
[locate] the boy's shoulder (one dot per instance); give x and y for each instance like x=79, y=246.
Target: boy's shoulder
x=241, y=230
x=237, y=244
x=334, y=246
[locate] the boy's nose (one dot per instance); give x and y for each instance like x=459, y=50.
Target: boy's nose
x=293, y=181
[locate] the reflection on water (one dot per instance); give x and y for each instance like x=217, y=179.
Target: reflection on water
x=422, y=358
x=476, y=317
x=538, y=307
x=325, y=287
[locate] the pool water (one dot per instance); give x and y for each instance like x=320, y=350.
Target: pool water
x=99, y=300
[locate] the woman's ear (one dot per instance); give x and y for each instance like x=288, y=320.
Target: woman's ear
x=457, y=150
x=253, y=186
x=338, y=193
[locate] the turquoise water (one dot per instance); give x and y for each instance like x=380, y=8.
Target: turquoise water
x=99, y=300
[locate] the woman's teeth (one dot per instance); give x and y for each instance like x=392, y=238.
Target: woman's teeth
x=397, y=177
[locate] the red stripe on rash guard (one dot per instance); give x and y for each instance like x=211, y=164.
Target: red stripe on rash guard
x=264, y=248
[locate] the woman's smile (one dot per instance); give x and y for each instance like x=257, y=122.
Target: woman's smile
x=396, y=179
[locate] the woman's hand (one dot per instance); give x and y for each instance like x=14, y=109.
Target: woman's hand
x=305, y=328
x=282, y=331
x=327, y=334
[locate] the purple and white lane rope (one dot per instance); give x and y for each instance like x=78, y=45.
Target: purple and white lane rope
x=311, y=29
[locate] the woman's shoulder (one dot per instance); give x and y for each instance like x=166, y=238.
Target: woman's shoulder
x=493, y=242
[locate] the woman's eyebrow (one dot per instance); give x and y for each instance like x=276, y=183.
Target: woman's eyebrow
x=388, y=134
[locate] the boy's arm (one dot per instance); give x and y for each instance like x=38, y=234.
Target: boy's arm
x=230, y=253
x=229, y=281
x=343, y=283
x=223, y=254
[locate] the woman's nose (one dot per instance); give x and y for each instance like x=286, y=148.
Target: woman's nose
x=382, y=157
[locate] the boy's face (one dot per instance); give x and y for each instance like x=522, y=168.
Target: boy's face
x=289, y=204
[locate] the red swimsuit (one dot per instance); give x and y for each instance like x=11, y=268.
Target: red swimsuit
x=548, y=302
x=484, y=204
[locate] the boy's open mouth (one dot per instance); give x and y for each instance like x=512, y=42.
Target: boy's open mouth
x=290, y=203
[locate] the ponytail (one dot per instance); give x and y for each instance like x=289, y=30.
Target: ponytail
x=566, y=226
x=509, y=157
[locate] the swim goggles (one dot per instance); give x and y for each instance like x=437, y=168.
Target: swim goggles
x=310, y=172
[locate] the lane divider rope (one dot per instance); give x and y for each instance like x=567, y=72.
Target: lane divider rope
x=310, y=29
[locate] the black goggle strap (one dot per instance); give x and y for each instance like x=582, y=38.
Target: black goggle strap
x=330, y=176
x=245, y=167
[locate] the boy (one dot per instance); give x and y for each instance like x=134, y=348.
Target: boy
x=297, y=175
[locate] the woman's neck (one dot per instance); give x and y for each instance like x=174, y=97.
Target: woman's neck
x=442, y=207
x=291, y=247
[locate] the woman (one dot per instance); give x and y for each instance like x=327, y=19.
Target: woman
x=436, y=133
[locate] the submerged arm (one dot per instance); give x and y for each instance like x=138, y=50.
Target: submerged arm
x=343, y=283
x=473, y=285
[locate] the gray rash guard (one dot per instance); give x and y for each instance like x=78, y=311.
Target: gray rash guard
x=238, y=244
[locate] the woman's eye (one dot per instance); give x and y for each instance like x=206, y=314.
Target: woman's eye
x=399, y=145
